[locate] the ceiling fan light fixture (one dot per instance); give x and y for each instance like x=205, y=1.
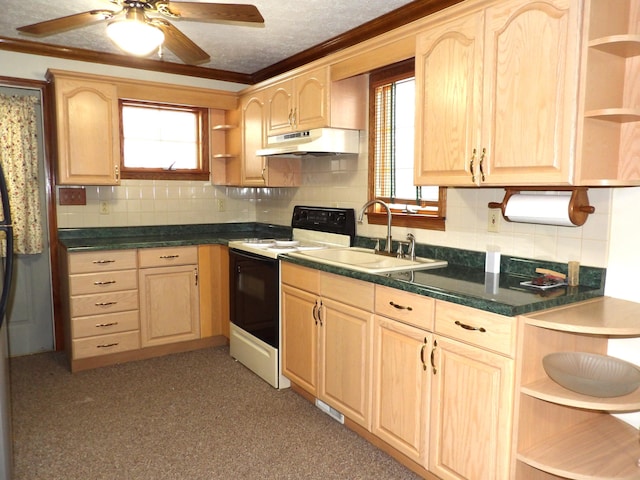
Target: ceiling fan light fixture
x=134, y=34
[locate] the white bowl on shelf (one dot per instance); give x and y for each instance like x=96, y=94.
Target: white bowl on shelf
x=592, y=374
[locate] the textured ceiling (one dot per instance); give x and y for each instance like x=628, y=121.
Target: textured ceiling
x=291, y=26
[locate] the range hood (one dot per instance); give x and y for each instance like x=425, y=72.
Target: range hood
x=315, y=142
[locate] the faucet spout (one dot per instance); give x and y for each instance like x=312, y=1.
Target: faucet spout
x=386, y=207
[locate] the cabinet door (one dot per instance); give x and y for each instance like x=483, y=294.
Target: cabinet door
x=471, y=412
x=311, y=104
x=279, y=100
x=448, y=102
x=530, y=92
x=300, y=337
x=345, y=351
x=401, y=381
x=88, y=130
x=253, y=137
x=169, y=305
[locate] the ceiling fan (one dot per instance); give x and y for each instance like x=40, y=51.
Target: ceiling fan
x=148, y=17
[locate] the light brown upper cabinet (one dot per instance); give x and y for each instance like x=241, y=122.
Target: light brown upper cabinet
x=496, y=93
x=87, y=131
x=244, y=167
x=310, y=100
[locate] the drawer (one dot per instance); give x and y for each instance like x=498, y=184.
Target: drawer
x=84, y=305
x=102, y=261
x=105, y=324
x=349, y=291
x=168, y=256
x=484, y=329
x=406, y=307
x=88, y=283
x=300, y=277
x=105, y=344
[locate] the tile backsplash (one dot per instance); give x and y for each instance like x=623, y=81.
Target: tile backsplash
x=341, y=181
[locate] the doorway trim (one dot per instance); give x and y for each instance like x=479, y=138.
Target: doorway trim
x=50, y=145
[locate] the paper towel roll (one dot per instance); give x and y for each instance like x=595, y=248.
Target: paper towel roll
x=542, y=209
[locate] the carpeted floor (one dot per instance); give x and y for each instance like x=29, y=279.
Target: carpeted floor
x=191, y=416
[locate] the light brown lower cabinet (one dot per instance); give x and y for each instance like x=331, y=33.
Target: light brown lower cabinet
x=440, y=403
x=401, y=387
x=327, y=331
x=169, y=300
x=123, y=305
x=471, y=412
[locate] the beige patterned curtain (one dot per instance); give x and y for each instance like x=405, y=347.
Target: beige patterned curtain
x=19, y=160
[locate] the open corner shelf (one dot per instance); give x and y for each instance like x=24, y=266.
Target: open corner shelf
x=625, y=46
x=611, y=454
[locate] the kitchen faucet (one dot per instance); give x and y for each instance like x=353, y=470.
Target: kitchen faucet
x=387, y=247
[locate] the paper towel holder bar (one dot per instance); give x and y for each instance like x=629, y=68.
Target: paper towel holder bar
x=579, y=208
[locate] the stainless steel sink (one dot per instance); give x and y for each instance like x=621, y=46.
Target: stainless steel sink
x=366, y=260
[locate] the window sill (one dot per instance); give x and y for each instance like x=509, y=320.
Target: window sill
x=165, y=175
x=407, y=220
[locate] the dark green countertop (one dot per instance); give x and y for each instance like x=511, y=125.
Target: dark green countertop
x=119, y=238
x=501, y=294
x=463, y=281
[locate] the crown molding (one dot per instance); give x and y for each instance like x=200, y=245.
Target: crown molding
x=385, y=23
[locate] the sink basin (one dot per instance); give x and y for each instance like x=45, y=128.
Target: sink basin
x=365, y=260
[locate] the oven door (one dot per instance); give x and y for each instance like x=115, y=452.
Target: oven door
x=254, y=295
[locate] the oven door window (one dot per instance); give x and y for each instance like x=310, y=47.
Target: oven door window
x=254, y=295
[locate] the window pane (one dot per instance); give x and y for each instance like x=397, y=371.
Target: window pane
x=156, y=137
x=404, y=131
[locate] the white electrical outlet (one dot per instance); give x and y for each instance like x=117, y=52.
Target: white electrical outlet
x=104, y=208
x=220, y=204
x=493, y=222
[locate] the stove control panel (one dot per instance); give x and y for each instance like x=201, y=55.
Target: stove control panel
x=325, y=219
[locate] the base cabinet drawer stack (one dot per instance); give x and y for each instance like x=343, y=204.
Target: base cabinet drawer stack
x=103, y=302
x=123, y=305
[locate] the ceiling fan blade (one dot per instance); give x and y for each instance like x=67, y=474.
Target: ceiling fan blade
x=230, y=12
x=69, y=22
x=181, y=45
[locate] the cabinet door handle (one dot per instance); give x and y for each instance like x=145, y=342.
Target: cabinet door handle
x=472, y=166
x=424, y=345
x=102, y=262
x=433, y=357
x=469, y=327
x=104, y=304
x=400, y=307
x=484, y=154
x=169, y=256
x=107, y=345
x=102, y=325
x=315, y=312
x=106, y=282
x=320, y=313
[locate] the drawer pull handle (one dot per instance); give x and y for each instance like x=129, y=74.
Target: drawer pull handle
x=169, y=256
x=107, y=345
x=400, y=307
x=108, y=282
x=469, y=327
x=104, y=304
x=110, y=324
x=100, y=262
